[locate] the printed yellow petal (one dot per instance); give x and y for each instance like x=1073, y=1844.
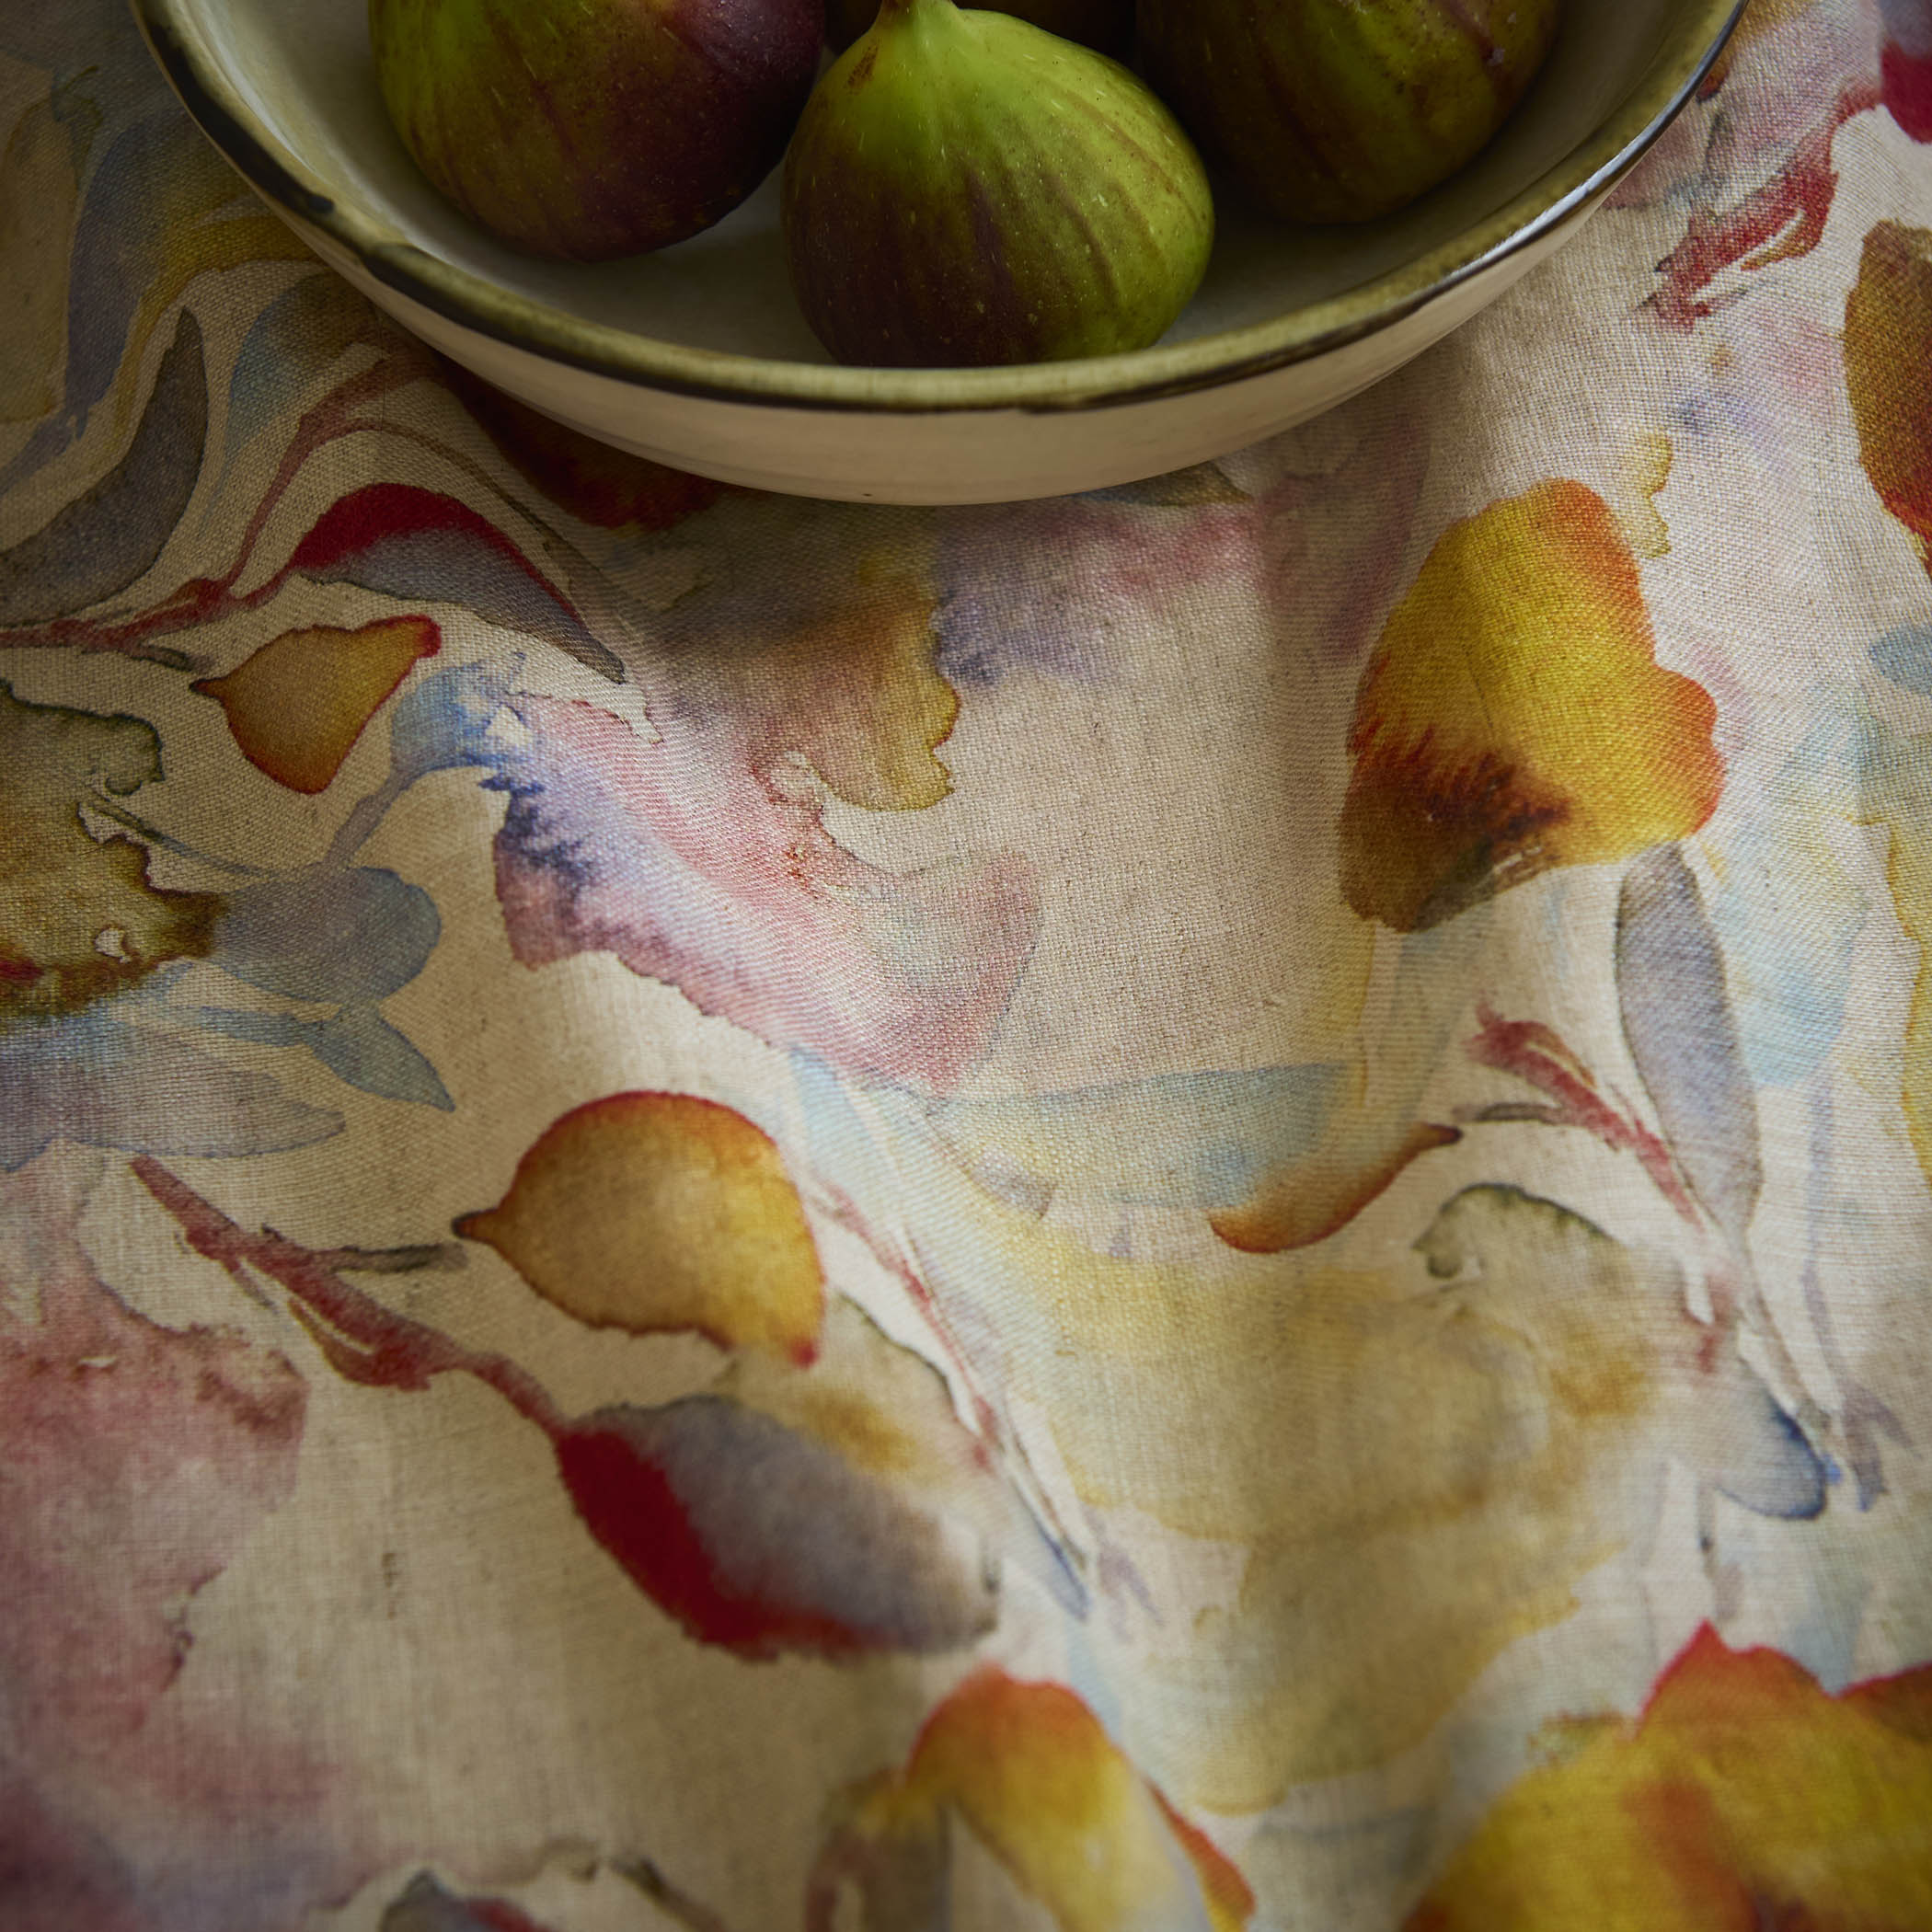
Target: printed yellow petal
x=847, y=683
x=297, y=707
x=1515, y=717
x=809, y=636
x=658, y=1213
x=1034, y=1774
x=1743, y=1797
x=1888, y=350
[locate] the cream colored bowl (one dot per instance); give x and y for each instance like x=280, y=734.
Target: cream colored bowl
x=698, y=357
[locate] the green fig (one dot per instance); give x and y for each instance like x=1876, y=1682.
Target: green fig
x=1341, y=110
x=966, y=188
x=589, y=128
x=1107, y=25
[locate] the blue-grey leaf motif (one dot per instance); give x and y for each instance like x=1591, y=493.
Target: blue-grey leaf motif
x=111, y=538
x=1683, y=1037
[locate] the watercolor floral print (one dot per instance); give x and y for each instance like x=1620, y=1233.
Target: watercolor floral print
x=1203, y=1208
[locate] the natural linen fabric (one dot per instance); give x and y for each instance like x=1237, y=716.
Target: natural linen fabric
x=1203, y=1207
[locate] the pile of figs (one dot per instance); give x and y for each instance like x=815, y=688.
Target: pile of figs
x=1021, y=184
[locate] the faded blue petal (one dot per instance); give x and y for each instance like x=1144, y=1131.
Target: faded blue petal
x=1904, y=655
x=357, y=1045
x=1675, y=1005
x=1203, y=1139
x=362, y=1048
x=296, y=337
x=442, y=723
x=110, y=536
x=93, y=1080
x=328, y=936
x=1787, y=910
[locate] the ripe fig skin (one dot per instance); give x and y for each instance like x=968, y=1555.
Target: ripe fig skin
x=966, y=190
x=1107, y=26
x=1343, y=111
x=592, y=128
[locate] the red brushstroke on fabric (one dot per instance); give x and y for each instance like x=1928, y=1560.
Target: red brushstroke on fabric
x=136, y=1463
x=1905, y=80
x=395, y=1351
x=844, y=1212
x=379, y=512
x=1784, y=218
x=1518, y=1047
x=501, y=1916
x=631, y=1510
x=122, y=1427
x=622, y=1498
x=366, y=516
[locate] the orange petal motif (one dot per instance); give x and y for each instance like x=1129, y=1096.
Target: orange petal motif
x=657, y=1214
x=298, y=705
x=1515, y=717
x=1311, y=1199
x=1888, y=372
x=1032, y=1773
x=1743, y=1797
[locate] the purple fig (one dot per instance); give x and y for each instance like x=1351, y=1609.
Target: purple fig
x=1105, y=25
x=1341, y=110
x=591, y=128
x=966, y=188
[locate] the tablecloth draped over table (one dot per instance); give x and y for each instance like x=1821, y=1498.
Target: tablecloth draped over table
x=1202, y=1207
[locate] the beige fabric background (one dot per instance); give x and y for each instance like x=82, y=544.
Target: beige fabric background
x=1193, y=1208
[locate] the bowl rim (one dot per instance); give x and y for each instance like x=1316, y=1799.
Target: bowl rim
x=1691, y=47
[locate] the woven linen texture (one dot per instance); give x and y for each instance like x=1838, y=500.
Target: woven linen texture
x=1199, y=1208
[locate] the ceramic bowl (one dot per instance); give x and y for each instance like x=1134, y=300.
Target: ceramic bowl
x=698, y=356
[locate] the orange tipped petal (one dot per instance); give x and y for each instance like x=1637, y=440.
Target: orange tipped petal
x=655, y=1212
x=1744, y=1796
x=1515, y=717
x=1034, y=1774
x=1315, y=1199
x=298, y=705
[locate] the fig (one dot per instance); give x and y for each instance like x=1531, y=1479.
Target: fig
x=592, y=128
x=1107, y=25
x=966, y=188
x=1341, y=110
